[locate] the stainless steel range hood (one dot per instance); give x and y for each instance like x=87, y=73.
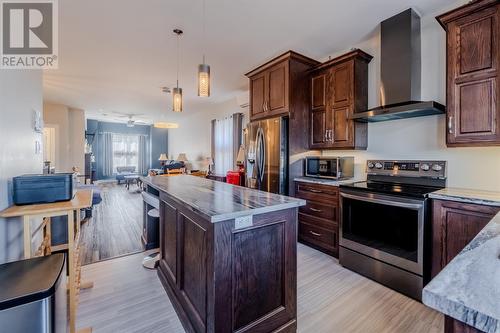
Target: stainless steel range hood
x=400, y=72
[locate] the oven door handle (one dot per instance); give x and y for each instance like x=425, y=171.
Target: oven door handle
x=383, y=201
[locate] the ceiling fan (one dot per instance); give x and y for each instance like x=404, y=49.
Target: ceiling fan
x=131, y=122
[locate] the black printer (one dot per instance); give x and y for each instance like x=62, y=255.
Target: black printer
x=31, y=189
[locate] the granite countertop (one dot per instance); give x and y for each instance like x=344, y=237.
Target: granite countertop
x=489, y=198
x=218, y=201
x=323, y=181
x=468, y=288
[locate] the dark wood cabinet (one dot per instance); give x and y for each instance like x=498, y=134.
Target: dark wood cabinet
x=221, y=278
x=318, y=219
x=473, y=87
x=273, y=85
x=339, y=89
x=258, y=95
x=282, y=88
x=454, y=225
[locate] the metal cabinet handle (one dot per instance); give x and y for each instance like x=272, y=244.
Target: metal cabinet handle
x=326, y=135
x=331, y=136
x=315, y=191
x=315, y=210
x=450, y=125
x=314, y=233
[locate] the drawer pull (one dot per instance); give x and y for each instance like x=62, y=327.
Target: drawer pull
x=315, y=210
x=315, y=191
x=314, y=233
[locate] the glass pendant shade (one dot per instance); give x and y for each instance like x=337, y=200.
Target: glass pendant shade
x=177, y=99
x=204, y=80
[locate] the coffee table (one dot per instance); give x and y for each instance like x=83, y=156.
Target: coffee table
x=130, y=179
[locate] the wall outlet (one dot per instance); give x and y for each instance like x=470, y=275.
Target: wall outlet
x=243, y=222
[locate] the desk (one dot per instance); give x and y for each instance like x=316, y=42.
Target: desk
x=71, y=209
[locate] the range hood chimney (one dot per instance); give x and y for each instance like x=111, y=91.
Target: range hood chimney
x=400, y=72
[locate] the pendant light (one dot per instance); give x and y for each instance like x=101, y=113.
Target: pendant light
x=177, y=92
x=204, y=69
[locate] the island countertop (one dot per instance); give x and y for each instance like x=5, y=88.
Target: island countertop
x=468, y=288
x=218, y=201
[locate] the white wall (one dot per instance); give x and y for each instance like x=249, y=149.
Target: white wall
x=193, y=135
x=20, y=94
x=70, y=135
x=424, y=138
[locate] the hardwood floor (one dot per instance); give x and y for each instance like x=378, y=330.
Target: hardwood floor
x=125, y=298
x=128, y=298
x=115, y=228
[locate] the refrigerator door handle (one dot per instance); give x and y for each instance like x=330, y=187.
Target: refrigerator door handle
x=258, y=155
x=262, y=158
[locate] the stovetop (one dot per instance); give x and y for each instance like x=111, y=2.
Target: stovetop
x=407, y=190
x=410, y=178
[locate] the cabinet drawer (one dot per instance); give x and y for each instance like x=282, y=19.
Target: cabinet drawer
x=321, y=210
x=322, y=238
x=319, y=193
x=317, y=221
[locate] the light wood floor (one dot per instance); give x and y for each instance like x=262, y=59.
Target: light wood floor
x=115, y=228
x=128, y=298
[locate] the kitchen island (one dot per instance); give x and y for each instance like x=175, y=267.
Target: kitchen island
x=228, y=255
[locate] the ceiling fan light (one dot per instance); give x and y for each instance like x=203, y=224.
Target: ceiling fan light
x=204, y=80
x=162, y=124
x=177, y=99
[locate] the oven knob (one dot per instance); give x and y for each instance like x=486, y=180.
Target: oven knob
x=425, y=167
x=437, y=167
x=371, y=165
x=378, y=165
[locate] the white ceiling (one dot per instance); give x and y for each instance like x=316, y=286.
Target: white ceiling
x=114, y=55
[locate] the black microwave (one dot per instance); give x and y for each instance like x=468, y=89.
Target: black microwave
x=330, y=167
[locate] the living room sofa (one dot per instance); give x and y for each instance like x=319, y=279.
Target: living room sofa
x=123, y=171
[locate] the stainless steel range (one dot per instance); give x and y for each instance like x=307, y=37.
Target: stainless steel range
x=385, y=223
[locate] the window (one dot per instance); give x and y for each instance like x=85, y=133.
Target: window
x=226, y=141
x=223, y=145
x=125, y=151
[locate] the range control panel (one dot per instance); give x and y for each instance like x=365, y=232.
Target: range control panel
x=433, y=169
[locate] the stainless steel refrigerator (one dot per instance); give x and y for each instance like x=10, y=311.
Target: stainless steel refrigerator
x=266, y=149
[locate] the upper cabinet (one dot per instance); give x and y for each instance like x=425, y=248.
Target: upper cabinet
x=339, y=88
x=273, y=85
x=473, y=59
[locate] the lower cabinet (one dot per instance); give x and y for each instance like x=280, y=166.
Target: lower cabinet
x=223, y=279
x=454, y=225
x=318, y=219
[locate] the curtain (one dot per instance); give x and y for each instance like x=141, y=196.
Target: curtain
x=107, y=165
x=237, y=136
x=226, y=141
x=143, y=155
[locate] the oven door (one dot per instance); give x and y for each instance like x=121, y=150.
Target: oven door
x=386, y=228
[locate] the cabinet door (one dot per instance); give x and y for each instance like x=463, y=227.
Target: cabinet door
x=318, y=91
x=318, y=128
x=341, y=87
x=257, y=95
x=168, y=239
x=473, y=105
x=454, y=225
x=277, y=95
x=341, y=126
